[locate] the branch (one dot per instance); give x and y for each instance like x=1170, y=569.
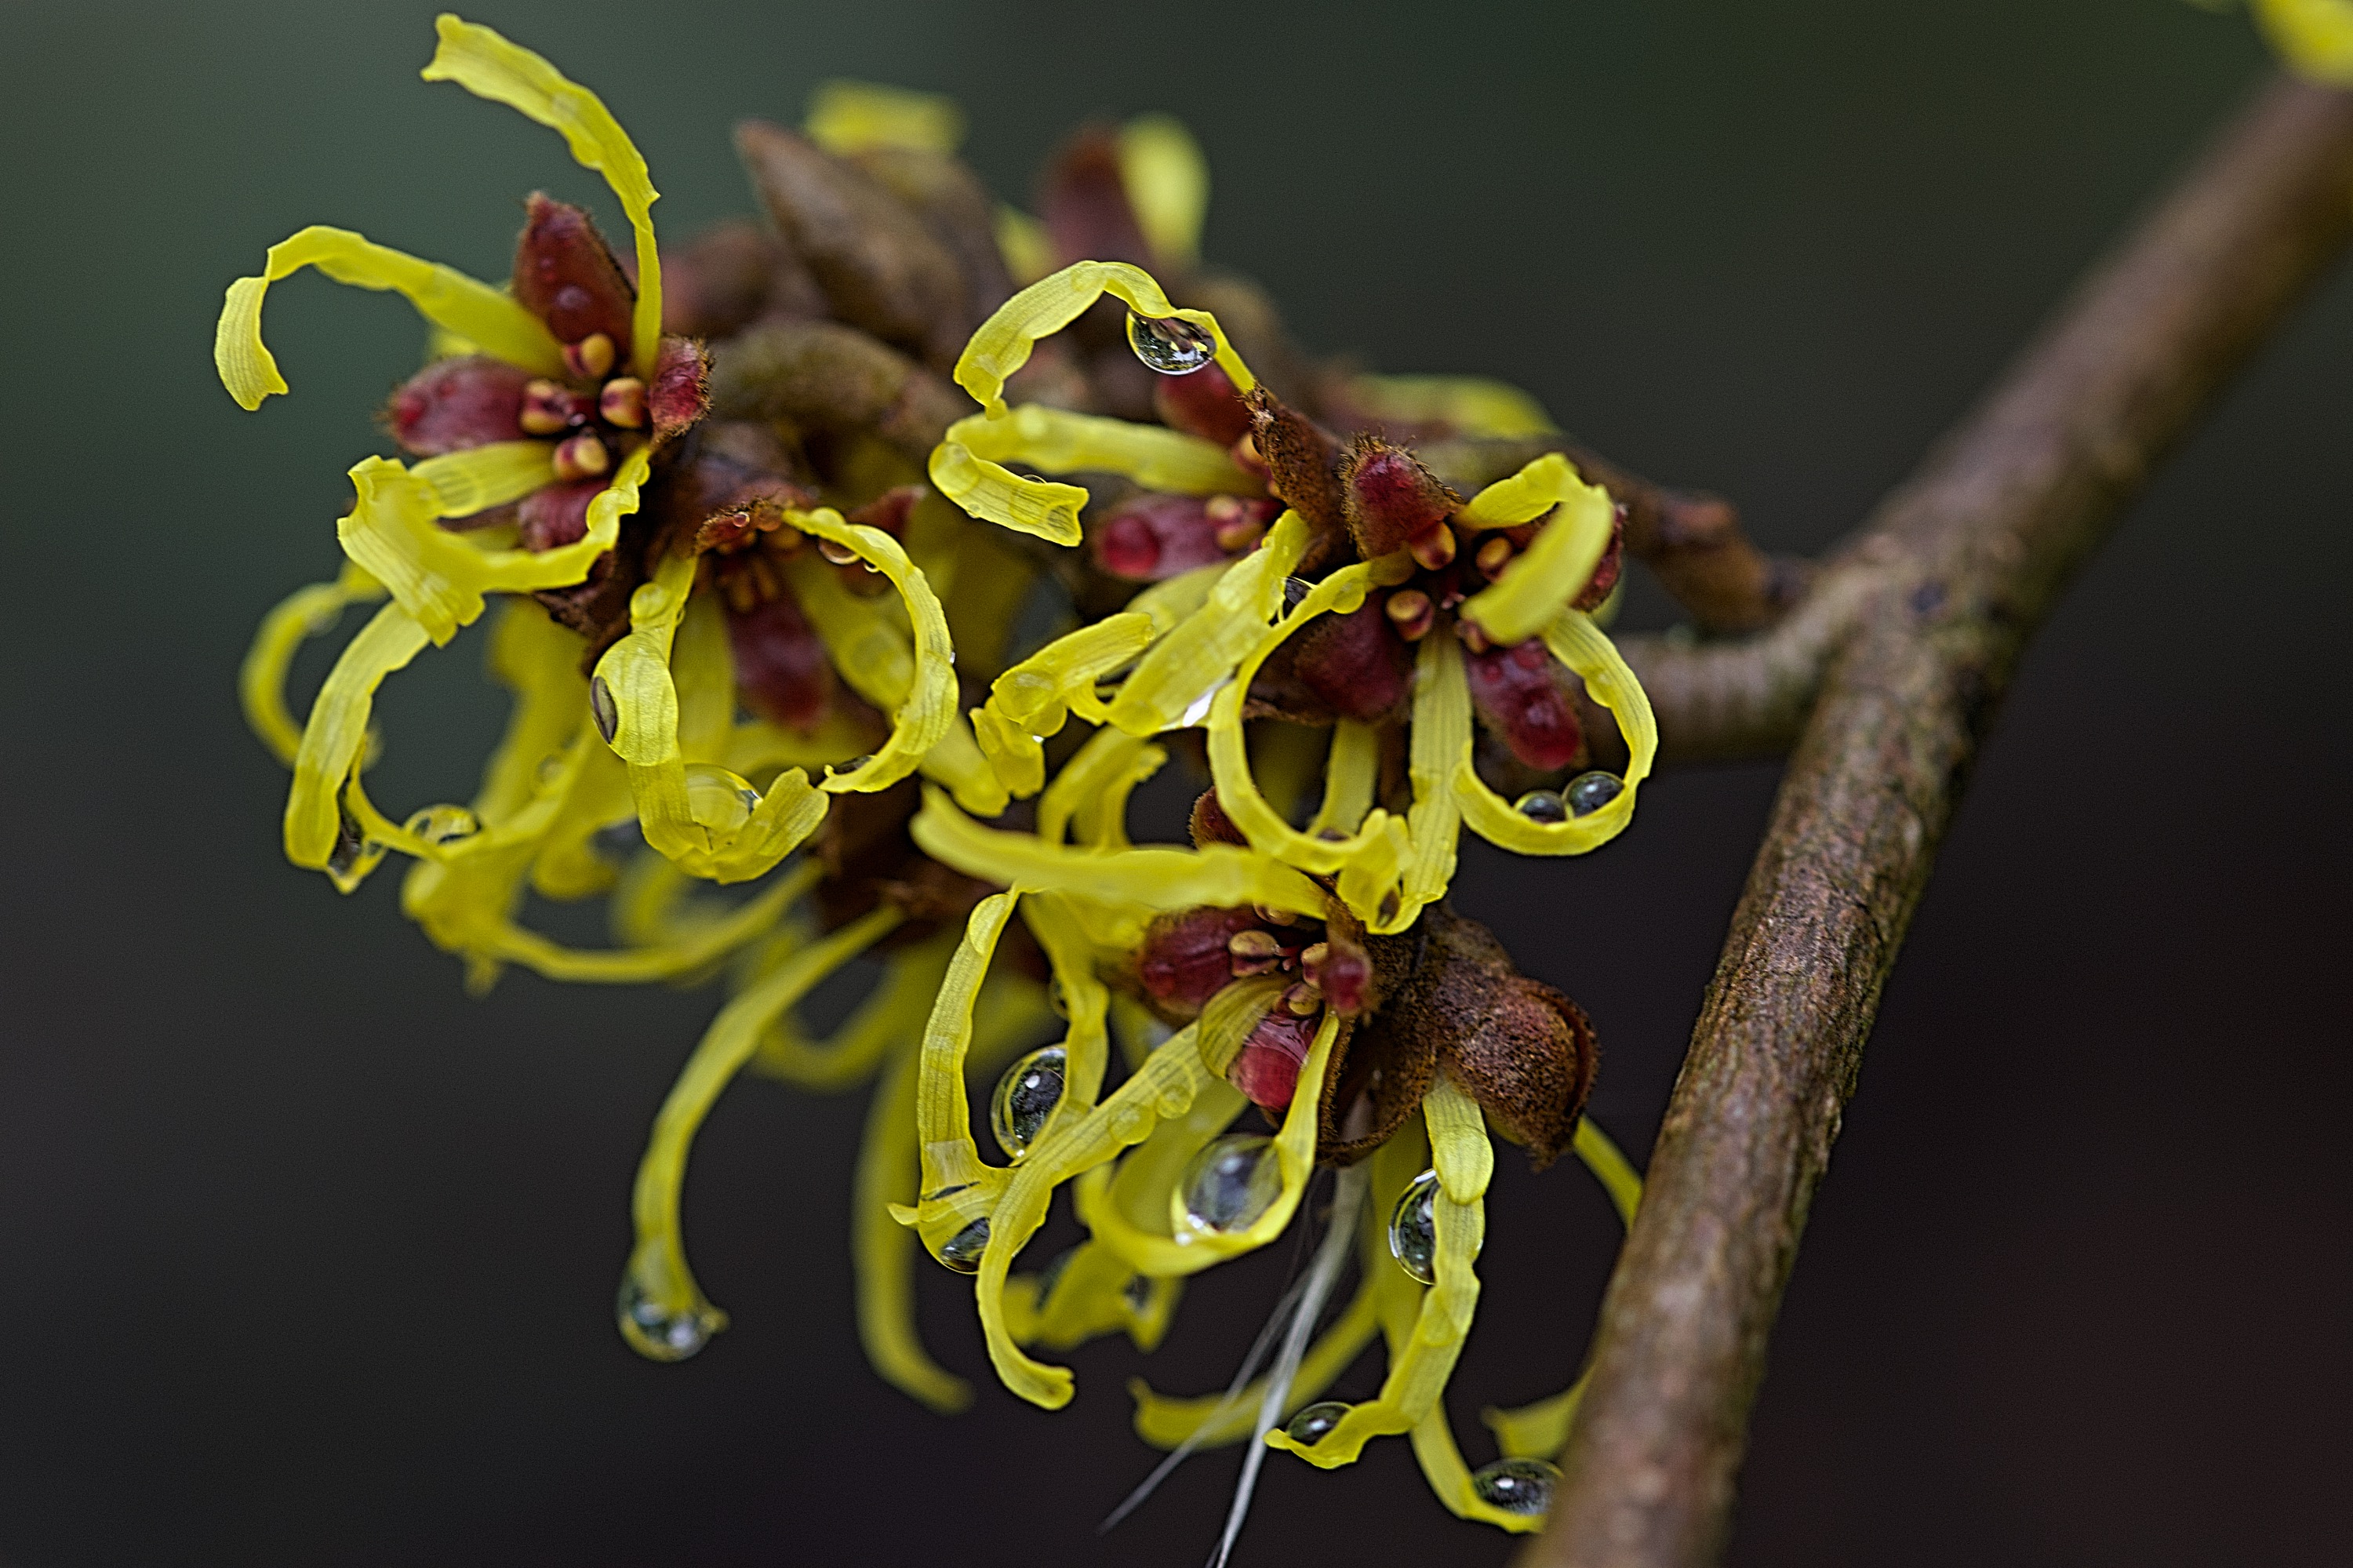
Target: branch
x=1954, y=571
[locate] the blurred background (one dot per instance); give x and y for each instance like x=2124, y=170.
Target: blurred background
x=314, y=1257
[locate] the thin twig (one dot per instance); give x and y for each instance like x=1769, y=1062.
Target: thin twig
x=1963, y=562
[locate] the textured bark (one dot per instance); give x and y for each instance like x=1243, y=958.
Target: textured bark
x=1954, y=571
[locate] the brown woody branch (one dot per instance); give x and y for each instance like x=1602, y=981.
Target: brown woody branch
x=1953, y=572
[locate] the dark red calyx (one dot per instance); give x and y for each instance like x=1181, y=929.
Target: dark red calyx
x=1267, y=1066
x=781, y=670
x=1186, y=958
x=1605, y=575
x=1357, y=664
x=565, y=275
x=1518, y=691
x=1149, y=536
x=679, y=392
x=1203, y=404
x=1392, y=501
x=454, y=404
x=1082, y=199
x=1210, y=825
x=1339, y=968
x=890, y=510
x=556, y=515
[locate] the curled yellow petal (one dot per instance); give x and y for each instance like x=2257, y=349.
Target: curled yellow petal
x=1584, y=648
x=853, y=116
x=916, y=686
x=293, y=621
x=969, y=466
x=1163, y=1086
x=1172, y=684
x=452, y=302
x=1441, y=729
x=1418, y=1371
x=1554, y=567
x=882, y=1251
x=488, y=66
x=1089, y=796
x=1032, y=700
x=659, y=1288
x=337, y=733
x=1352, y=772
x=956, y=1188
x=1059, y=927
x=703, y=816
x=439, y=577
x=1002, y=344
x=1224, y=874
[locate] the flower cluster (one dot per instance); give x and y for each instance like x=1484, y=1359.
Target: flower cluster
x=751, y=526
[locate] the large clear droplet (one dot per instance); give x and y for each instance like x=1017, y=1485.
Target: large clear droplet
x=961, y=1251
x=1169, y=344
x=1313, y=1424
x=1413, y=1229
x=1589, y=793
x=1542, y=806
x=1523, y=1487
x=1026, y=1095
x=603, y=708
x=1229, y=1184
x=660, y=1334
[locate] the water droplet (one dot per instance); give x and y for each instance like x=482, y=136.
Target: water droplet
x=603, y=708
x=1170, y=344
x=853, y=764
x=1413, y=1229
x=657, y=1332
x=1522, y=1487
x=1025, y=1097
x=1229, y=1184
x=1542, y=806
x=1311, y=1425
x=1589, y=793
x=961, y=1251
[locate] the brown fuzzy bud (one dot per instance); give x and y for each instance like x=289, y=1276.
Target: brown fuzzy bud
x=1393, y=501
x=1301, y=461
x=680, y=393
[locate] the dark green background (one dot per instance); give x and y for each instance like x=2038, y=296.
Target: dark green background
x=310, y=1259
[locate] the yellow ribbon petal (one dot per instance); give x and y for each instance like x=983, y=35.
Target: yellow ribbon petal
x=658, y=1292
x=968, y=466
x=1182, y=669
x=1554, y=569
x=1002, y=344
x=1584, y=648
x=301, y=615
x=487, y=317
x=1089, y=796
x=1473, y=405
x=488, y=66
x=1032, y=700
x=337, y=732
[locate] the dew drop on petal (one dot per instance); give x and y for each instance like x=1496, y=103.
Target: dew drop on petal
x=1542, y=806
x=1231, y=1183
x=656, y=1332
x=1311, y=1425
x=1025, y=1097
x=1589, y=793
x=961, y=1252
x=1170, y=344
x=603, y=708
x=1413, y=1229
x=1522, y=1487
